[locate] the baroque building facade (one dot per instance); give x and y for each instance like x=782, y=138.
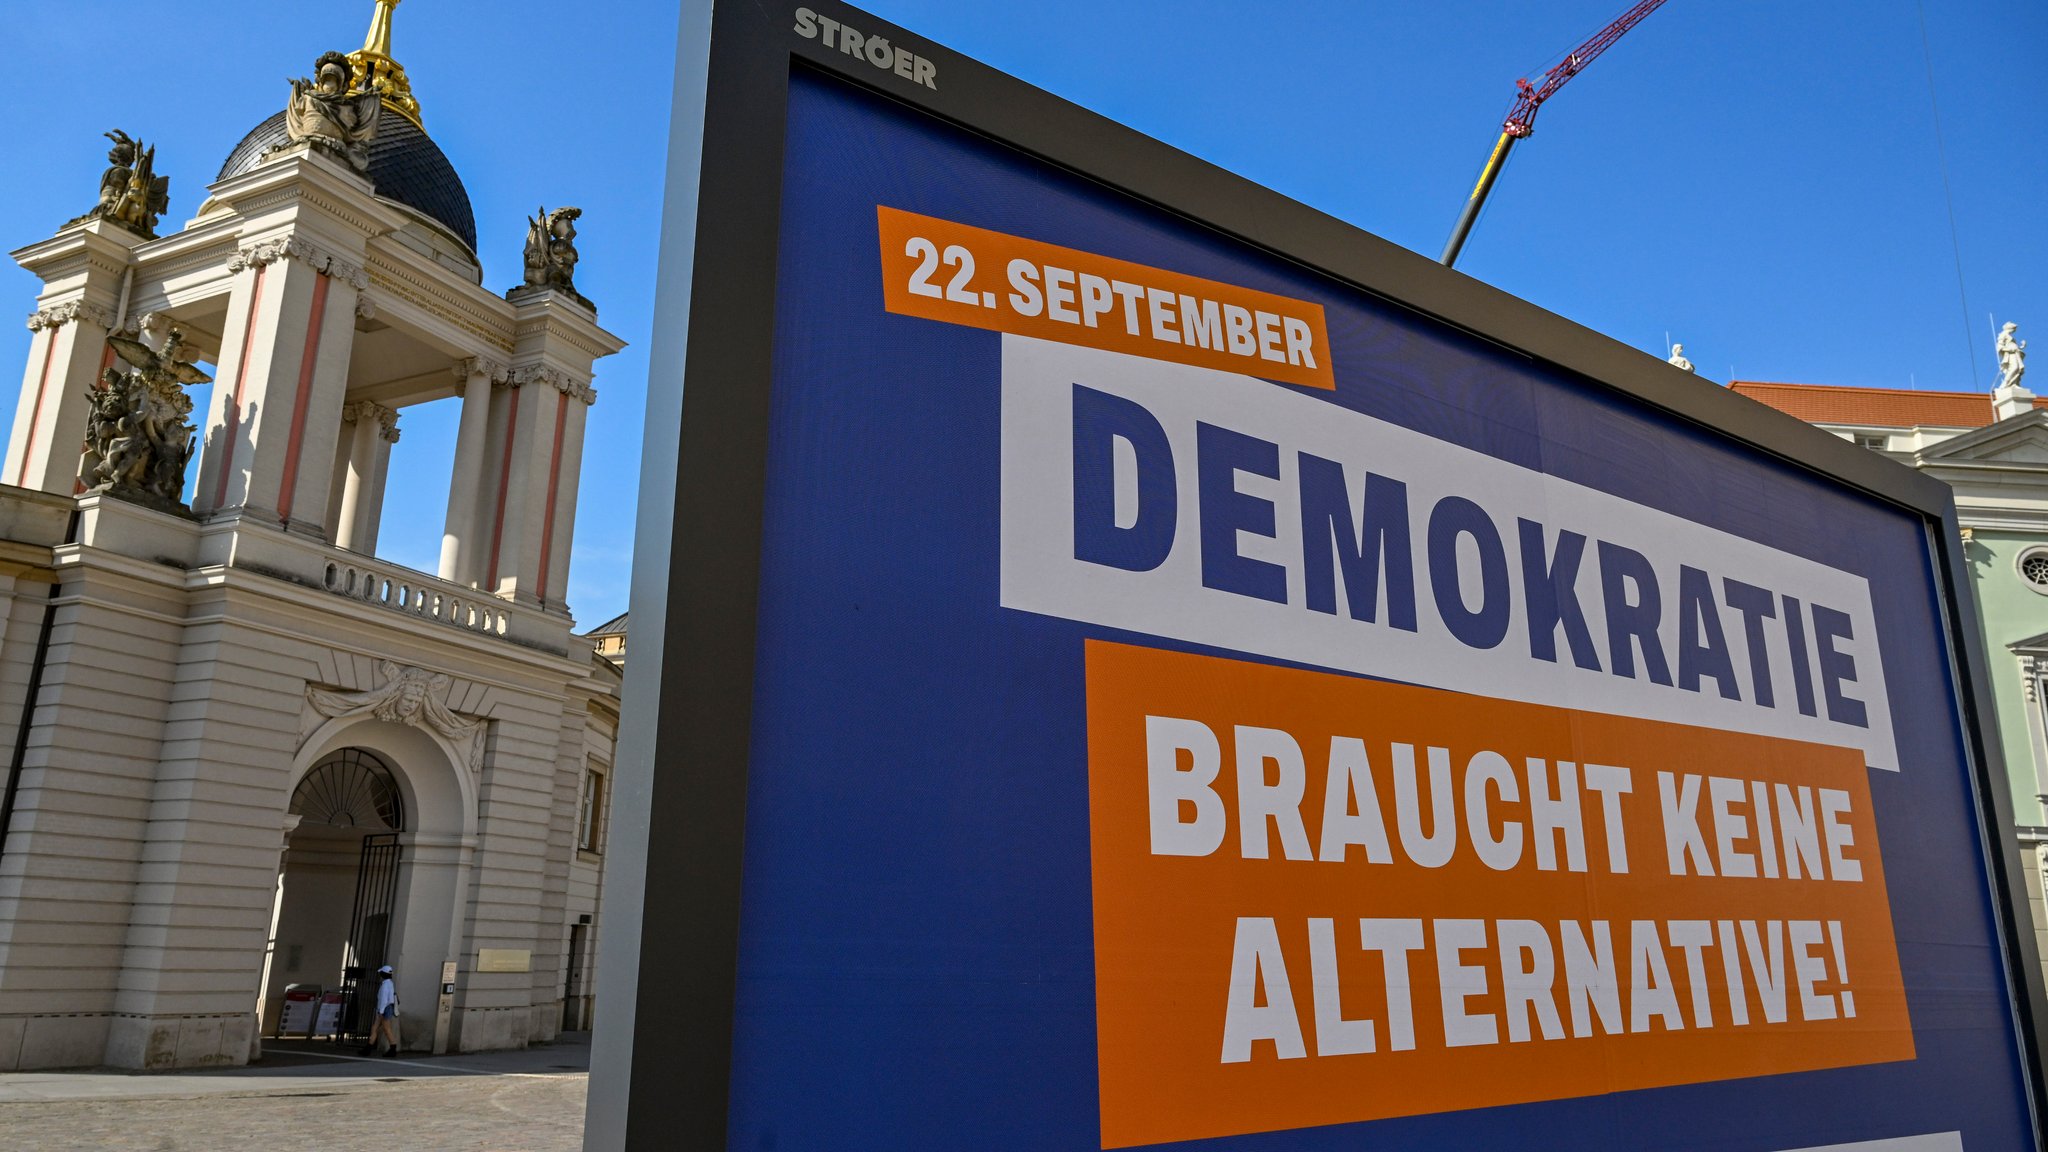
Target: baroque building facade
x=1992, y=448
x=245, y=752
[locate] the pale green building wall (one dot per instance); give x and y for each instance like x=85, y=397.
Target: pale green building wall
x=2009, y=610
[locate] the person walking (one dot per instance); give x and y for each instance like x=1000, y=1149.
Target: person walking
x=385, y=1024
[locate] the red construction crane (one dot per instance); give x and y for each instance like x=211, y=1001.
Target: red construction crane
x=1521, y=118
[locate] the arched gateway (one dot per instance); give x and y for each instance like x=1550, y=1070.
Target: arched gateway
x=338, y=887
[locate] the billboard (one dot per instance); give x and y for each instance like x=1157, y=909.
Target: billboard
x=1130, y=662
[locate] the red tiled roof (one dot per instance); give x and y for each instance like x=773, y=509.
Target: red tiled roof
x=1878, y=407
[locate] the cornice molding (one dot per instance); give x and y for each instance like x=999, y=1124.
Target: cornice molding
x=77, y=248
x=290, y=179
x=178, y=263
x=439, y=301
x=578, y=333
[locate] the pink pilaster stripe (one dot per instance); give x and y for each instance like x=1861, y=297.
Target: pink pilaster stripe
x=547, y=526
x=233, y=427
x=504, y=485
x=306, y=366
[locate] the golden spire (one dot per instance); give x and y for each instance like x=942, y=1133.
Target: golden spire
x=376, y=70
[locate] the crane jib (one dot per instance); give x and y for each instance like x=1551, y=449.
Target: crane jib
x=1521, y=117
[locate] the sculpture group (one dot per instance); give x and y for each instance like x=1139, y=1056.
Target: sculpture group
x=137, y=431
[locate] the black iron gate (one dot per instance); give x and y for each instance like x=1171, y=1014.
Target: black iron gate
x=369, y=932
x=572, y=983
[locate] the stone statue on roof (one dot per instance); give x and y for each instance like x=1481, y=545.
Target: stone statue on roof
x=326, y=113
x=551, y=254
x=1678, y=359
x=131, y=193
x=2012, y=356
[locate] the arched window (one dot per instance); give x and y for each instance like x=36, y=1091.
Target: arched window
x=351, y=788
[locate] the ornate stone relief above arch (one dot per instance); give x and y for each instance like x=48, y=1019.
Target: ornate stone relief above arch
x=410, y=696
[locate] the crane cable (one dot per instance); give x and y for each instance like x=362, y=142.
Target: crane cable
x=1948, y=194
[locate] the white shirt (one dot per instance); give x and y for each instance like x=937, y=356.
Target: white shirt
x=387, y=994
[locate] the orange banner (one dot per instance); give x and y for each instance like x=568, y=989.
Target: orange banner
x=940, y=270
x=1322, y=899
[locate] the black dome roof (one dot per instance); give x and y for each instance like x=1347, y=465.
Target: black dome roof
x=405, y=165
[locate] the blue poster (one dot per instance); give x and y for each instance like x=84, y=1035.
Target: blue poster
x=1200, y=704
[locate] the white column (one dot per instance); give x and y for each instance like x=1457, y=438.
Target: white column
x=344, y=436
x=83, y=269
x=369, y=447
x=380, y=469
x=569, y=472
x=304, y=492
x=66, y=357
x=459, y=540
x=288, y=340
x=535, y=406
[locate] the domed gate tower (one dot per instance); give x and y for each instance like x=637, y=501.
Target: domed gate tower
x=199, y=643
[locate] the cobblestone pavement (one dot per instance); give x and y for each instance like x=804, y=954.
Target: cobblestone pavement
x=523, y=1102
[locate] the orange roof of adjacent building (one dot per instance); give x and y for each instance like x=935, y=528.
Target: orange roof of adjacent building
x=1878, y=407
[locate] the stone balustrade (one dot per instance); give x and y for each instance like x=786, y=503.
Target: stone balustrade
x=250, y=545
x=415, y=594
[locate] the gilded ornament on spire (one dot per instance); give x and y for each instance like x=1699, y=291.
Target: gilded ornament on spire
x=375, y=70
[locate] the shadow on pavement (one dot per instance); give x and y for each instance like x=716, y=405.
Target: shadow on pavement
x=569, y=1053
x=300, y=1066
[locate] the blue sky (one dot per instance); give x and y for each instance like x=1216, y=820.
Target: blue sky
x=1759, y=179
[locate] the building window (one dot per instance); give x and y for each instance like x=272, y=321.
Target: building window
x=590, y=819
x=2033, y=566
x=1875, y=441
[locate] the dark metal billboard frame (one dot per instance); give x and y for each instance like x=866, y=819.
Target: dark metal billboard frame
x=662, y=1072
